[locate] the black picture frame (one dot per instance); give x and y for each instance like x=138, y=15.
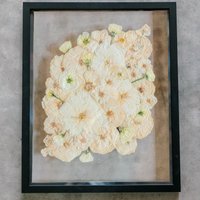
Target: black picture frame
x=27, y=185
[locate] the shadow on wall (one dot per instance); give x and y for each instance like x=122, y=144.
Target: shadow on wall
x=160, y=53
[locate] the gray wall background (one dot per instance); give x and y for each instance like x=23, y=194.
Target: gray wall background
x=188, y=12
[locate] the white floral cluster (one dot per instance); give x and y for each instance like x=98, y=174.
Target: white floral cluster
x=99, y=95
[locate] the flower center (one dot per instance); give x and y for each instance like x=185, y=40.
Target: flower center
x=62, y=69
x=102, y=137
x=141, y=90
x=82, y=116
x=128, y=65
x=132, y=47
x=140, y=113
x=109, y=82
x=119, y=74
x=66, y=144
x=144, y=66
x=109, y=113
x=81, y=62
x=55, y=85
x=83, y=140
x=59, y=105
x=107, y=62
x=89, y=86
x=53, y=124
x=85, y=41
x=101, y=94
x=148, y=101
x=100, y=41
x=124, y=96
x=133, y=74
x=122, y=40
x=69, y=80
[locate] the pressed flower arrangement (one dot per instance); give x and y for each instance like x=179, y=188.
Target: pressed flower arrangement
x=100, y=95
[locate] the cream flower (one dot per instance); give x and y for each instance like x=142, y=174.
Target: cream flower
x=92, y=79
x=142, y=114
x=114, y=112
x=126, y=148
x=106, y=56
x=69, y=81
x=104, y=142
x=100, y=36
x=142, y=48
x=66, y=46
x=83, y=39
x=59, y=139
x=114, y=29
x=49, y=92
x=56, y=67
x=119, y=72
x=81, y=113
x=87, y=58
x=86, y=157
x=135, y=73
x=126, y=133
x=144, y=64
x=128, y=97
x=125, y=39
x=144, y=31
x=150, y=76
x=102, y=94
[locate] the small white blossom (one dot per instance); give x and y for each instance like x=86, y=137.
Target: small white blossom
x=114, y=29
x=83, y=39
x=66, y=46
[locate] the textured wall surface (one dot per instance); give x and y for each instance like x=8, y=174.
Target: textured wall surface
x=188, y=23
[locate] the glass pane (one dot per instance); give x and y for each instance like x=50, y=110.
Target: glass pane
x=151, y=160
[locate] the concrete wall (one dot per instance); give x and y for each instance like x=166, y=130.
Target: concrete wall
x=10, y=107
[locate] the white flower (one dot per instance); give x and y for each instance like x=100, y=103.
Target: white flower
x=82, y=113
x=87, y=58
x=69, y=81
x=128, y=97
x=86, y=157
x=114, y=29
x=59, y=139
x=49, y=92
x=102, y=94
x=150, y=76
x=144, y=64
x=144, y=31
x=83, y=39
x=126, y=133
x=106, y=56
x=66, y=46
x=142, y=114
x=100, y=36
